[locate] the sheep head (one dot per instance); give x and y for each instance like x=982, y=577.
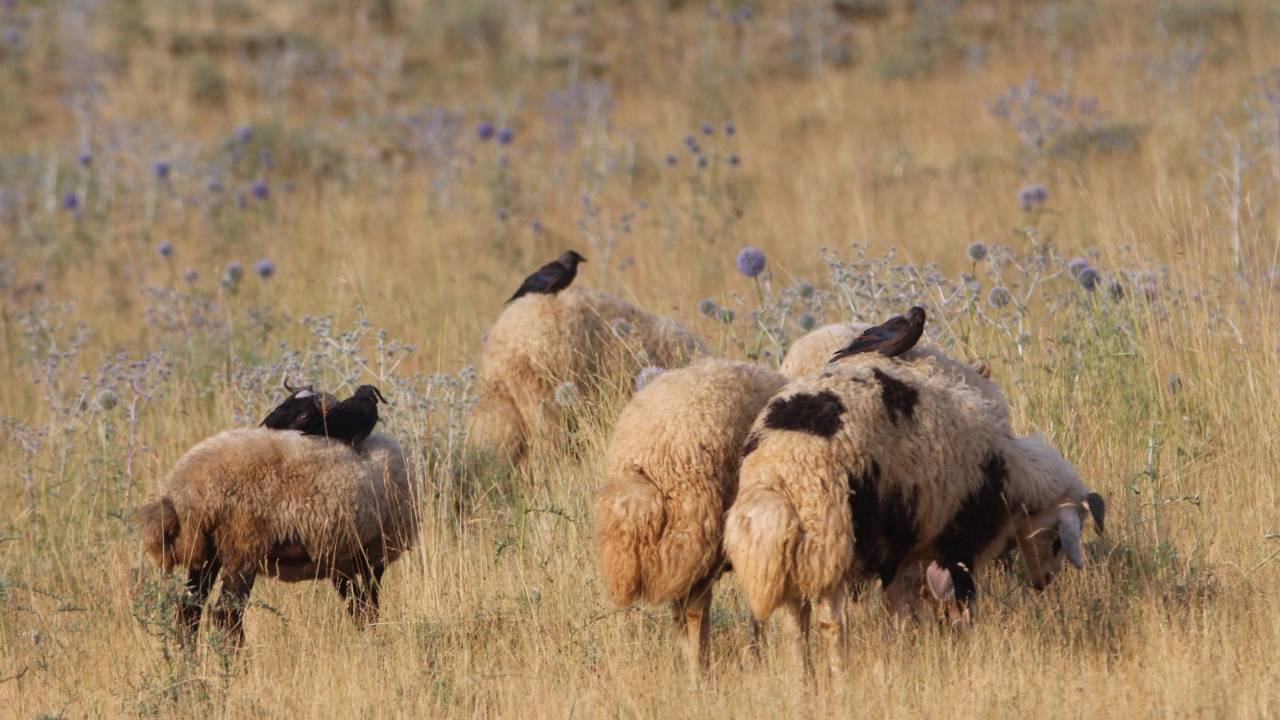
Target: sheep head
x=1047, y=536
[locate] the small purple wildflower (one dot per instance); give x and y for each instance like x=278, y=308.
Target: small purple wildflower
x=244, y=133
x=233, y=273
x=71, y=201
x=730, y=128
x=502, y=215
x=85, y=159
x=708, y=129
x=1032, y=197
x=1075, y=265
x=807, y=322
x=1088, y=278
x=260, y=189
x=163, y=169
x=734, y=160
x=536, y=226
x=702, y=161
x=505, y=136
x=726, y=316
x=999, y=297
x=977, y=251
x=191, y=275
x=264, y=268
x=691, y=142
x=750, y=261
x=484, y=130
x=671, y=160
x=165, y=248
x=708, y=307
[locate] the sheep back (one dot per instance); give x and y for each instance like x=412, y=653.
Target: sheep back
x=295, y=506
x=671, y=472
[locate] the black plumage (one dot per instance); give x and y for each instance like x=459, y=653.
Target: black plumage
x=552, y=277
x=302, y=407
x=891, y=338
x=351, y=420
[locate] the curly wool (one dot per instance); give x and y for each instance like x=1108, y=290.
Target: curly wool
x=672, y=470
x=542, y=341
x=291, y=506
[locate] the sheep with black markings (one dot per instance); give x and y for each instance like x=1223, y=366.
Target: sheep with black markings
x=256, y=501
x=541, y=342
x=671, y=472
x=874, y=470
x=812, y=351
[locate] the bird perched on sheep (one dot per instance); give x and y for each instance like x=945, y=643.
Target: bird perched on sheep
x=552, y=277
x=299, y=409
x=255, y=501
x=541, y=342
x=811, y=352
x=891, y=338
x=350, y=421
x=865, y=470
x=671, y=471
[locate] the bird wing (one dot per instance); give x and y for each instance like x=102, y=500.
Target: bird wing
x=545, y=277
x=872, y=338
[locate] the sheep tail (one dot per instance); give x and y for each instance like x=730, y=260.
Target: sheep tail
x=630, y=516
x=159, y=523
x=760, y=536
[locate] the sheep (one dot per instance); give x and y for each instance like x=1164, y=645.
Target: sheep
x=811, y=352
x=543, y=341
x=872, y=470
x=257, y=501
x=672, y=470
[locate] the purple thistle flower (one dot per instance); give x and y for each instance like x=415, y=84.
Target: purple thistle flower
x=234, y=272
x=750, y=261
x=1032, y=197
x=1088, y=278
x=264, y=268
x=1075, y=265
x=671, y=160
x=702, y=161
x=708, y=307
x=190, y=275
x=691, y=142
x=244, y=133
x=977, y=251
x=484, y=130
x=260, y=189
x=85, y=159
x=536, y=226
x=71, y=201
x=505, y=136
x=708, y=129
x=165, y=249
x=729, y=128
x=999, y=297
x=162, y=169
x=734, y=160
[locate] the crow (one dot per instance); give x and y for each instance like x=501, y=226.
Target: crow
x=552, y=277
x=351, y=420
x=300, y=408
x=892, y=338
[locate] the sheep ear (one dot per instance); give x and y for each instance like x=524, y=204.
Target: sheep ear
x=1069, y=534
x=983, y=369
x=1098, y=509
x=940, y=583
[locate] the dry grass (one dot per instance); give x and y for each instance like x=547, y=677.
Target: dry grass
x=499, y=612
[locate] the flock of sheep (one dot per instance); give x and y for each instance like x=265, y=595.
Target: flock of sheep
x=805, y=483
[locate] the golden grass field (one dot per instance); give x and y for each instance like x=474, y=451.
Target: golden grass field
x=382, y=202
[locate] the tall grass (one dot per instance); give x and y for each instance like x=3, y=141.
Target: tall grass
x=340, y=141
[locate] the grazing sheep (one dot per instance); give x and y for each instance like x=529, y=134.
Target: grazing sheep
x=811, y=352
x=672, y=470
x=868, y=470
x=252, y=501
x=543, y=341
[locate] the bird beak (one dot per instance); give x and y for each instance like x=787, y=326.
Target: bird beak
x=378, y=392
x=285, y=380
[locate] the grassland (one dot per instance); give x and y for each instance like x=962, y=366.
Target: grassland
x=340, y=142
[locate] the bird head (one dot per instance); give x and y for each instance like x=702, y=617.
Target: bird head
x=916, y=314
x=571, y=258
x=370, y=391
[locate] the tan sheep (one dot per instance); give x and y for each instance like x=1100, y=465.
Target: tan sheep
x=810, y=353
x=542, y=341
x=876, y=470
x=671, y=472
x=256, y=501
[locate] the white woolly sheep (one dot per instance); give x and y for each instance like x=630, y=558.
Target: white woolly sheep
x=866, y=471
x=252, y=501
x=542, y=341
x=671, y=472
x=810, y=353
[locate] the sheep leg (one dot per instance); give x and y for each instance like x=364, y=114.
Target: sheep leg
x=371, y=578
x=834, y=627
x=191, y=604
x=693, y=618
x=796, y=616
x=228, y=613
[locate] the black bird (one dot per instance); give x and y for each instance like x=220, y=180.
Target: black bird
x=891, y=338
x=552, y=277
x=300, y=408
x=351, y=420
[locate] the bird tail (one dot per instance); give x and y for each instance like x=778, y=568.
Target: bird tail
x=848, y=351
x=630, y=514
x=761, y=533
